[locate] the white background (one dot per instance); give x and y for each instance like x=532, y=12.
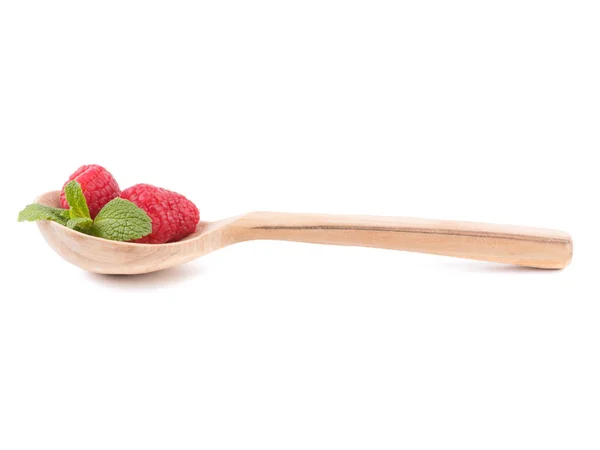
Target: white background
x=485, y=111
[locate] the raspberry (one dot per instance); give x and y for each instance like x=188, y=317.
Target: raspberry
x=173, y=216
x=98, y=186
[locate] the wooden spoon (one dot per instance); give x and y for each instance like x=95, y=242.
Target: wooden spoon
x=531, y=247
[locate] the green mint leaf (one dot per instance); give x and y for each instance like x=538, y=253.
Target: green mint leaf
x=35, y=212
x=121, y=220
x=76, y=200
x=80, y=223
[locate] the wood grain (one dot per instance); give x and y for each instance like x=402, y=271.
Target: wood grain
x=531, y=247
x=524, y=246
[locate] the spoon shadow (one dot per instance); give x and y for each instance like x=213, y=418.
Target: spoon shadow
x=153, y=280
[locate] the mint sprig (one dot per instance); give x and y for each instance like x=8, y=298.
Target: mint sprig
x=76, y=200
x=35, y=212
x=82, y=224
x=119, y=220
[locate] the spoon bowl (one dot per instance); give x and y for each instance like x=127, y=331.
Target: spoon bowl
x=523, y=246
x=125, y=258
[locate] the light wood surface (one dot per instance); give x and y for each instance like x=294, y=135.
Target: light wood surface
x=523, y=246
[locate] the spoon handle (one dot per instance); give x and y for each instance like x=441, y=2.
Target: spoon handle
x=523, y=246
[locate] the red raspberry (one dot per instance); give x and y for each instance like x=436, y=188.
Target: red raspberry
x=173, y=216
x=98, y=186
